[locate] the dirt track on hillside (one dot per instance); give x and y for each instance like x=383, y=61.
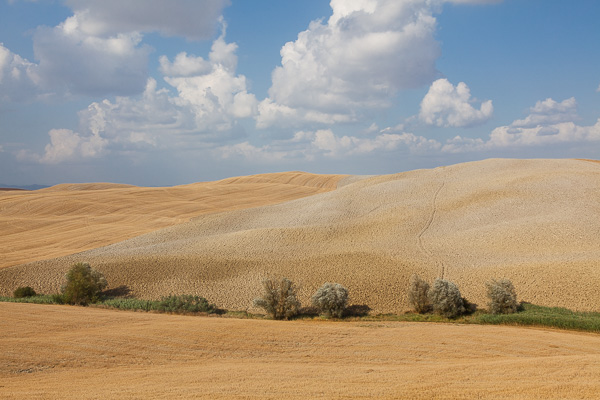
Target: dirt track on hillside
x=62, y=352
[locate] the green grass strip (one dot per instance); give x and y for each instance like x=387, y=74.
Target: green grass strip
x=530, y=315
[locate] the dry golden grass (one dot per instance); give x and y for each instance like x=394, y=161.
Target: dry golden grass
x=70, y=218
x=536, y=222
x=60, y=352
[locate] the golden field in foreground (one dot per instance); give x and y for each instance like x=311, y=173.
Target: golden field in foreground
x=536, y=222
x=62, y=352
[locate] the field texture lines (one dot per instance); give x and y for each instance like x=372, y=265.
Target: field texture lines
x=59, y=352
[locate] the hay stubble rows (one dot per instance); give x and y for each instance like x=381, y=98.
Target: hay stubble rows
x=85, y=353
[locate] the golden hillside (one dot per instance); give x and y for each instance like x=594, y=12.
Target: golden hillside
x=70, y=218
x=536, y=222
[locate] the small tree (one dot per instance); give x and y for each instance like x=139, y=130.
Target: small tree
x=24, y=291
x=502, y=296
x=279, y=299
x=417, y=294
x=445, y=299
x=83, y=285
x=331, y=300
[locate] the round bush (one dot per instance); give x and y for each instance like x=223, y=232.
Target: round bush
x=331, y=300
x=279, y=299
x=502, y=297
x=417, y=294
x=83, y=285
x=445, y=299
x=24, y=291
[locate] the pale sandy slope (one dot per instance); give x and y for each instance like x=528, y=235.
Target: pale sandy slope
x=61, y=352
x=70, y=218
x=536, y=222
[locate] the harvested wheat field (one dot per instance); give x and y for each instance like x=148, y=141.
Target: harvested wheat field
x=84, y=353
x=536, y=222
x=71, y=218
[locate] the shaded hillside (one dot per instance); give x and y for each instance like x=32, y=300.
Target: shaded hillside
x=536, y=222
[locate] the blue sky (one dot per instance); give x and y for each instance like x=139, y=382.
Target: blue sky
x=166, y=92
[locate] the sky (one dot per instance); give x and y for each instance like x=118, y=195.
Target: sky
x=169, y=92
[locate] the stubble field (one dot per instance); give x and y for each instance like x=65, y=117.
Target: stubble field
x=86, y=353
x=536, y=222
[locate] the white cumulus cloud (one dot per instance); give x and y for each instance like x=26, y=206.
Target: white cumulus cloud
x=70, y=60
x=446, y=105
x=19, y=78
x=324, y=143
x=209, y=100
x=549, y=112
x=66, y=145
x=548, y=123
x=360, y=58
x=99, y=50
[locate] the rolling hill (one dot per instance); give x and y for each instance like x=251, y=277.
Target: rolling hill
x=535, y=222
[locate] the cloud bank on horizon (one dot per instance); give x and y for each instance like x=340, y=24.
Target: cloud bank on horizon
x=361, y=90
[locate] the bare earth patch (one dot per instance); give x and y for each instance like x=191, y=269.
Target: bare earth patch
x=61, y=352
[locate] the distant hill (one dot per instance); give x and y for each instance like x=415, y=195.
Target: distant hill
x=22, y=187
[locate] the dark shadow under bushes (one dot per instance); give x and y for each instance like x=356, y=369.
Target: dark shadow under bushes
x=122, y=291
x=357, y=310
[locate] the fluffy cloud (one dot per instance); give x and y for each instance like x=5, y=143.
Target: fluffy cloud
x=210, y=99
x=366, y=52
x=99, y=50
x=66, y=145
x=71, y=60
x=309, y=145
x=549, y=112
x=210, y=88
x=445, y=105
x=549, y=123
x=193, y=19
x=19, y=78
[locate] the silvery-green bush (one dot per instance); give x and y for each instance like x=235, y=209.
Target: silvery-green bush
x=502, y=297
x=279, y=299
x=417, y=294
x=331, y=300
x=445, y=299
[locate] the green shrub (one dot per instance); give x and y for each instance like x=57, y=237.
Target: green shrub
x=24, y=291
x=58, y=298
x=502, y=297
x=331, y=300
x=417, y=295
x=83, y=285
x=131, y=304
x=185, y=304
x=445, y=299
x=279, y=299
